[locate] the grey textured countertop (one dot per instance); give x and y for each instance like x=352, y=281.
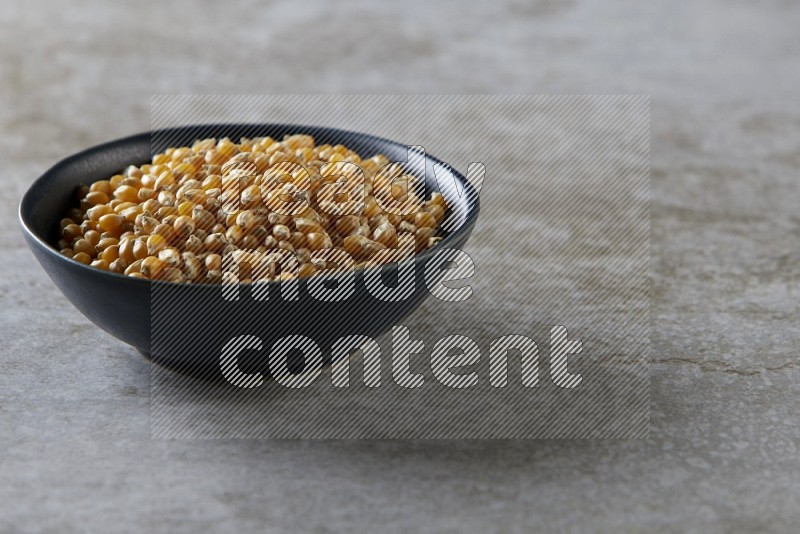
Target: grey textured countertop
x=723, y=453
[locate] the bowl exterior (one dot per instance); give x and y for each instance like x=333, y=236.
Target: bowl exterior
x=185, y=326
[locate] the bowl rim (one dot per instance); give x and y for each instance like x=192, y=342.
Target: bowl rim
x=471, y=215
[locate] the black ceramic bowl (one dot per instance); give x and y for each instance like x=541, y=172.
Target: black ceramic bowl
x=186, y=326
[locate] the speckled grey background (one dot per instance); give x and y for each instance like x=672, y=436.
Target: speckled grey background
x=74, y=403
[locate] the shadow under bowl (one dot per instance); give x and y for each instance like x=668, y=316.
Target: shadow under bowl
x=185, y=327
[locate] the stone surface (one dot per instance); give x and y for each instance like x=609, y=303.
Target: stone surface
x=723, y=453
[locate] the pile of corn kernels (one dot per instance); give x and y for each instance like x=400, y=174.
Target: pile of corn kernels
x=223, y=211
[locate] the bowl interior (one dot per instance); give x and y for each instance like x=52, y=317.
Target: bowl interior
x=54, y=193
